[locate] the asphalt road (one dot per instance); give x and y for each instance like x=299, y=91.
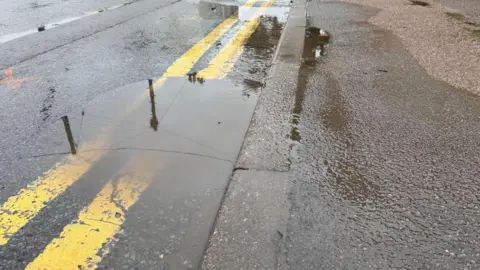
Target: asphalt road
x=98, y=169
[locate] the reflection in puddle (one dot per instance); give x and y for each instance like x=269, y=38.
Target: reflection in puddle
x=251, y=86
x=209, y=10
x=281, y=13
x=47, y=104
x=346, y=168
x=316, y=43
x=153, y=120
x=193, y=78
x=306, y=68
x=66, y=124
x=252, y=68
x=256, y=51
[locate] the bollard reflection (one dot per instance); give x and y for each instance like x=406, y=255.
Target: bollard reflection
x=68, y=130
x=153, y=120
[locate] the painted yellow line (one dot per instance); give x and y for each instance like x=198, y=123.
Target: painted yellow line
x=250, y=3
x=19, y=209
x=185, y=63
x=81, y=242
x=223, y=62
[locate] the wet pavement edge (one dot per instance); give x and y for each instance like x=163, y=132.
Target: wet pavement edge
x=251, y=223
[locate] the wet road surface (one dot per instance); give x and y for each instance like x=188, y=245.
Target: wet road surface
x=387, y=165
x=102, y=168
x=364, y=162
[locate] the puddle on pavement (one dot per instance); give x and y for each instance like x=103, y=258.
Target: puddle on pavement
x=346, y=168
x=247, y=13
x=242, y=86
x=315, y=43
x=252, y=66
x=68, y=131
x=211, y=10
x=203, y=117
x=153, y=119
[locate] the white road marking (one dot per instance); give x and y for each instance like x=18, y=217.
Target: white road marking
x=12, y=36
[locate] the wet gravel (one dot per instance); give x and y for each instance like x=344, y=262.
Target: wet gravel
x=446, y=47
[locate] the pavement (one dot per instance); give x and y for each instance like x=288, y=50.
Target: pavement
x=224, y=135
x=372, y=162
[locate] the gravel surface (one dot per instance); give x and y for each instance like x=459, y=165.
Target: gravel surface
x=446, y=47
x=469, y=7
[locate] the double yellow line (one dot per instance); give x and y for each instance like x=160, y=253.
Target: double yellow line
x=78, y=244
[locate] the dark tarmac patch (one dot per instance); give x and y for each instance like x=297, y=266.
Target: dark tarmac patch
x=47, y=104
x=140, y=41
x=37, y=5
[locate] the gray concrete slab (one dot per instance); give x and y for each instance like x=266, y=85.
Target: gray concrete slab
x=249, y=229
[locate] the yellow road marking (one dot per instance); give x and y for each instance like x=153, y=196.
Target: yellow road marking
x=249, y=3
x=183, y=64
x=19, y=209
x=223, y=62
x=30, y=200
x=81, y=242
